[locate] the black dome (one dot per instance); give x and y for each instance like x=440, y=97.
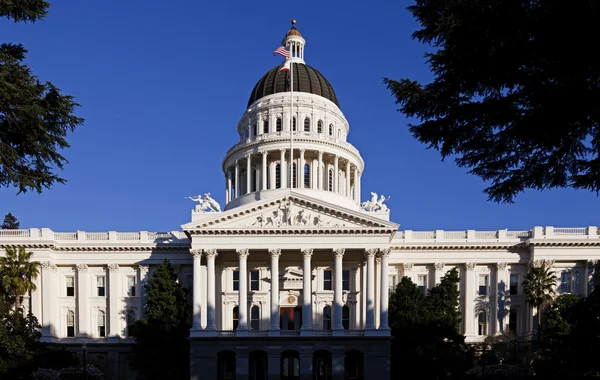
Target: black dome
x=306, y=79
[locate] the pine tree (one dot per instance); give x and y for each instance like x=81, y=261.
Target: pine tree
x=162, y=350
x=10, y=222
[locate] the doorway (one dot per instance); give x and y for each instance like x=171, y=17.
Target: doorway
x=290, y=318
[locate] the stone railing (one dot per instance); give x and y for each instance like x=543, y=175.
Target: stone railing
x=82, y=236
x=549, y=232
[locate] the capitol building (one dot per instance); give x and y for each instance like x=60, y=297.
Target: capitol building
x=290, y=278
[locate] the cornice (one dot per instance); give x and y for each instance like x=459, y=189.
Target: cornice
x=563, y=243
x=459, y=247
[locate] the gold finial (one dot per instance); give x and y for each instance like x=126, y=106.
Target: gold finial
x=293, y=23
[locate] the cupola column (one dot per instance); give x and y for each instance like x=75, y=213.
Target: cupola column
x=248, y=173
x=356, y=196
x=229, y=197
x=237, y=179
x=348, y=193
x=320, y=172
x=336, y=174
x=264, y=170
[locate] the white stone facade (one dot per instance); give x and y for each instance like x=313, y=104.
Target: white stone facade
x=245, y=266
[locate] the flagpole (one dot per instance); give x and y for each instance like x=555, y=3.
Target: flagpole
x=292, y=119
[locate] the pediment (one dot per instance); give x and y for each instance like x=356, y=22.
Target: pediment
x=286, y=213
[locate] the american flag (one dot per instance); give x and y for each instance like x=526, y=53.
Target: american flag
x=282, y=50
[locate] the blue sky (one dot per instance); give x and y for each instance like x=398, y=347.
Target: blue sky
x=162, y=86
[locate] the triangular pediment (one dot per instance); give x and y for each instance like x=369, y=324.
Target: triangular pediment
x=289, y=212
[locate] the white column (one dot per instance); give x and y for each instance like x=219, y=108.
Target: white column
x=143, y=273
x=114, y=298
x=242, y=328
x=356, y=196
x=338, y=289
x=348, y=192
x=283, y=170
x=211, y=254
x=469, y=298
x=264, y=170
x=383, y=317
x=501, y=290
x=359, y=186
x=197, y=288
x=248, y=174
x=306, y=291
x=36, y=298
x=336, y=174
x=229, y=197
x=320, y=172
x=237, y=179
x=274, y=325
x=377, y=290
x=49, y=310
x=301, y=168
x=370, y=253
x=83, y=294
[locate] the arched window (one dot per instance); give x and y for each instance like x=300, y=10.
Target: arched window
x=258, y=365
x=306, y=124
x=226, y=365
x=339, y=133
x=320, y=126
x=482, y=318
x=307, y=176
x=330, y=180
x=278, y=176
x=253, y=180
x=294, y=175
x=278, y=125
x=353, y=365
x=266, y=126
x=255, y=129
x=290, y=365
x=101, y=323
x=235, y=318
x=294, y=128
x=346, y=317
x=130, y=320
x=330, y=129
x=255, y=318
x=322, y=365
x=70, y=324
x=327, y=318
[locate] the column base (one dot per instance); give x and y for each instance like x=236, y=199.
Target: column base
x=274, y=332
x=338, y=332
x=241, y=332
x=376, y=332
x=202, y=333
x=306, y=332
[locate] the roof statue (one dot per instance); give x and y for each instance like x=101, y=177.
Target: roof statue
x=376, y=204
x=205, y=204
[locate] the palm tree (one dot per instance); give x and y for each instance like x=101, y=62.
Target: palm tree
x=17, y=273
x=538, y=286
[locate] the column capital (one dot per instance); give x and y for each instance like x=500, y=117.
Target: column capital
x=371, y=252
x=408, y=266
x=336, y=157
x=321, y=154
x=247, y=156
x=501, y=266
x=306, y=252
x=49, y=265
x=470, y=265
x=236, y=163
x=385, y=252
x=264, y=152
x=143, y=268
x=211, y=253
x=82, y=267
x=339, y=252
x=196, y=253
x=302, y=150
x=243, y=253
x=113, y=267
x=282, y=150
x=439, y=266
x=275, y=252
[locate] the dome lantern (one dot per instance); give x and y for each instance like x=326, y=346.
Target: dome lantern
x=295, y=43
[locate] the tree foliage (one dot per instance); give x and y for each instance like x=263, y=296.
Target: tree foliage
x=19, y=341
x=162, y=350
x=10, y=222
x=515, y=95
x=425, y=329
x=35, y=117
x=17, y=273
x=538, y=287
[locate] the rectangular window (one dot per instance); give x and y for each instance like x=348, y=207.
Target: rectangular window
x=327, y=280
x=254, y=283
x=70, y=286
x=565, y=282
x=482, y=323
x=100, y=283
x=265, y=126
x=236, y=280
x=483, y=284
x=346, y=280
x=512, y=321
x=70, y=324
x=391, y=283
x=101, y=324
x=514, y=284
x=422, y=283
x=131, y=286
x=278, y=176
